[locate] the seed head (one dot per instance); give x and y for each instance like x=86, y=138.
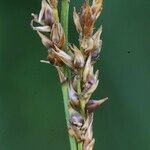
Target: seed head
x=82, y=80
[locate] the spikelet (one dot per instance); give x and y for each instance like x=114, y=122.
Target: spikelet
x=80, y=61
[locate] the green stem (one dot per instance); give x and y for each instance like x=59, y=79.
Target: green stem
x=82, y=106
x=64, y=22
x=65, y=98
x=64, y=17
x=80, y=147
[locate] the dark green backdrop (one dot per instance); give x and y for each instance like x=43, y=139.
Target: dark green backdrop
x=31, y=107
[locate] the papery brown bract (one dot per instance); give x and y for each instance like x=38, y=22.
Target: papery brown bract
x=54, y=59
x=62, y=76
x=97, y=7
x=87, y=20
x=78, y=57
x=57, y=35
x=67, y=59
x=77, y=23
x=45, y=16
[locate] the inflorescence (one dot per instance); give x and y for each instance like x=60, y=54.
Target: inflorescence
x=80, y=60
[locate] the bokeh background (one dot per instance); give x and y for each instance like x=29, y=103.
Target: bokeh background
x=31, y=107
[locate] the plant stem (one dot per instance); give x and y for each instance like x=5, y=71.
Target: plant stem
x=64, y=22
x=65, y=98
x=64, y=16
x=82, y=106
x=80, y=147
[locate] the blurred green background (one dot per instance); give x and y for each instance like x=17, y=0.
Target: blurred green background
x=31, y=107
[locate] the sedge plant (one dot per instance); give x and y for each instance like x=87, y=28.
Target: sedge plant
x=75, y=64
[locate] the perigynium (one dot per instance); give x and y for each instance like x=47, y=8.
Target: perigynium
x=81, y=80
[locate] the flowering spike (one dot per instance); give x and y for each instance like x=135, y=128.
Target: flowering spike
x=75, y=65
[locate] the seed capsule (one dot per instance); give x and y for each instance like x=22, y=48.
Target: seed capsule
x=92, y=44
x=67, y=59
x=92, y=105
x=78, y=57
x=75, y=118
x=73, y=96
x=87, y=45
x=45, y=15
x=54, y=59
x=57, y=35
